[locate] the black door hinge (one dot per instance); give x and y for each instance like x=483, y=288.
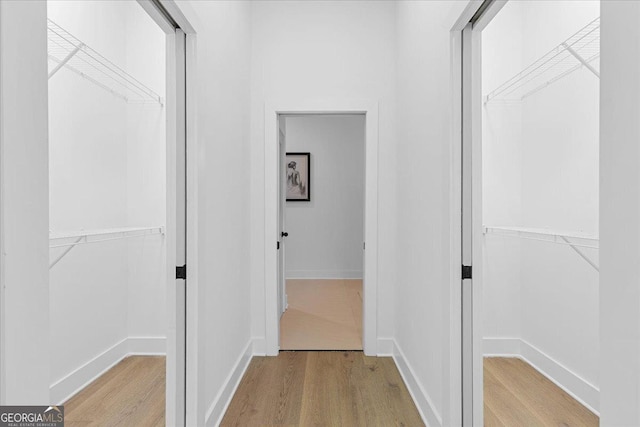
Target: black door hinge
x=467, y=272
x=181, y=272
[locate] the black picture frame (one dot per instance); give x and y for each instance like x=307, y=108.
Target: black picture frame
x=298, y=177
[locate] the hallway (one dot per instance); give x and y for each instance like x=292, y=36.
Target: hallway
x=322, y=388
x=202, y=280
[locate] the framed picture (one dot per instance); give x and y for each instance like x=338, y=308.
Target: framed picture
x=298, y=177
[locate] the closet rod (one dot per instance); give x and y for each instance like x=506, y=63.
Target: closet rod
x=578, y=51
x=95, y=236
x=67, y=51
x=574, y=240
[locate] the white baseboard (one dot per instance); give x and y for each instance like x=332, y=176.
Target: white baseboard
x=385, y=347
x=219, y=405
x=579, y=388
x=259, y=346
x=146, y=346
x=501, y=347
x=66, y=387
x=420, y=396
x=324, y=274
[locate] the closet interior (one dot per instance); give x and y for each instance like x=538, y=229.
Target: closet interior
x=540, y=143
x=107, y=191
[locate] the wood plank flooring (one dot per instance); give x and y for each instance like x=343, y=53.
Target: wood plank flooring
x=132, y=393
x=322, y=315
x=515, y=394
x=322, y=388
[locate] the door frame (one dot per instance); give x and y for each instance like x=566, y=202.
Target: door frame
x=181, y=244
x=282, y=220
x=271, y=182
x=2, y=250
x=465, y=339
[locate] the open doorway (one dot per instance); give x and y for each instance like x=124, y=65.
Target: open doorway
x=274, y=286
x=117, y=150
x=530, y=202
x=322, y=231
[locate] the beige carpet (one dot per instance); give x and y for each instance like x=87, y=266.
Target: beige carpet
x=322, y=315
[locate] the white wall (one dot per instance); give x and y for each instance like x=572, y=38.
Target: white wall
x=146, y=178
x=502, y=58
x=223, y=38
x=87, y=190
x=25, y=254
x=107, y=170
x=341, y=50
x=619, y=212
x=541, y=171
x=326, y=234
x=424, y=122
x=422, y=288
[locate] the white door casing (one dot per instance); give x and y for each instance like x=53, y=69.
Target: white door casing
x=181, y=226
x=467, y=164
x=271, y=225
x=282, y=216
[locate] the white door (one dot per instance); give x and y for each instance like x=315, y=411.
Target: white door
x=468, y=373
x=181, y=225
x=282, y=201
x=472, y=239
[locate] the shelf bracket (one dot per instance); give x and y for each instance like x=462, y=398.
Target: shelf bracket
x=581, y=59
x=582, y=254
x=65, y=252
x=65, y=60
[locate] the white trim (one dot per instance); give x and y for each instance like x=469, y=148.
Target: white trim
x=176, y=10
x=259, y=346
x=466, y=15
x=501, y=347
x=172, y=407
x=179, y=376
x=324, y=274
x=271, y=179
x=385, y=347
x=72, y=383
x=456, y=370
x=477, y=229
x=576, y=386
x=418, y=392
x=489, y=14
x=452, y=354
x=146, y=346
x=2, y=234
x=67, y=386
x=219, y=406
x=579, y=388
x=194, y=400
x=157, y=17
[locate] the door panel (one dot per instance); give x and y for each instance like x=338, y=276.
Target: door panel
x=467, y=232
x=282, y=199
x=181, y=220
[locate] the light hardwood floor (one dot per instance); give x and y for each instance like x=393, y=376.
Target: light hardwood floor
x=515, y=394
x=322, y=388
x=322, y=315
x=132, y=393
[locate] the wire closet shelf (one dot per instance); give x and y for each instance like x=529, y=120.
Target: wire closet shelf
x=66, y=51
x=576, y=241
x=66, y=241
x=581, y=50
